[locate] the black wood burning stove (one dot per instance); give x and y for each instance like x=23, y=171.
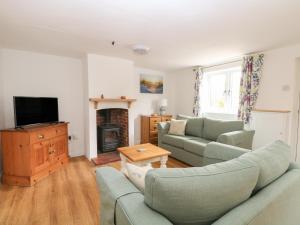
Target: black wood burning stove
x=108, y=138
x=108, y=135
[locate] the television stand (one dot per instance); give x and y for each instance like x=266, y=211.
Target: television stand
x=19, y=128
x=34, y=152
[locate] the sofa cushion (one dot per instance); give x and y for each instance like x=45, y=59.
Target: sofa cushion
x=200, y=195
x=177, y=127
x=213, y=128
x=194, y=125
x=177, y=141
x=195, y=145
x=273, y=161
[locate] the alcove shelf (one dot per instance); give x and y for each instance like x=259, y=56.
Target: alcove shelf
x=98, y=101
x=272, y=110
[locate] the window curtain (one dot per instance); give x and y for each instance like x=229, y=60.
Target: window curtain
x=197, y=85
x=251, y=75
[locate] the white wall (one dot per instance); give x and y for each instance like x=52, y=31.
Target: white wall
x=183, y=90
x=1, y=109
x=296, y=116
x=278, y=80
x=32, y=74
x=1, y=94
x=114, y=77
x=86, y=105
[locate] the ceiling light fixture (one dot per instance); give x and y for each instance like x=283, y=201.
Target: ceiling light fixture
x=140, y=49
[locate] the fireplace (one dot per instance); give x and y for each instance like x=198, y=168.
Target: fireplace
x=112, y=129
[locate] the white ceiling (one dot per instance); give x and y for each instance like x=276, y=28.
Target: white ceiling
x=180, y=33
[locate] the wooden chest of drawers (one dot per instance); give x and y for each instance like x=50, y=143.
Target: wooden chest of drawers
x=149, y=127
x=33, y=153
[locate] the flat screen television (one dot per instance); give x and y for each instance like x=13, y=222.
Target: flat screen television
x=35, y=110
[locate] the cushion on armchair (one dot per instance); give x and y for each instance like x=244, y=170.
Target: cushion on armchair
x=200, y=195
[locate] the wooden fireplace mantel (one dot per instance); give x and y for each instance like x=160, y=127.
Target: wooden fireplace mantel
x=98, y=101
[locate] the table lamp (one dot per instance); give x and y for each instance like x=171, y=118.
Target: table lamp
x=163, y=106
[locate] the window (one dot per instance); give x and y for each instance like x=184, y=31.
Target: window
x=220, y=91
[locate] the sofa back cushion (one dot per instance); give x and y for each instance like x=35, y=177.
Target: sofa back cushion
x=213, y=128
x=194, y=125
x=184, y=117
x=273, y=161
x=200, y=195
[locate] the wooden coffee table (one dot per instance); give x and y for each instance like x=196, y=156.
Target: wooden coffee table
x=150, y=153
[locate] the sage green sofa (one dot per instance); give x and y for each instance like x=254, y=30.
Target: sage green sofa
x=254, y=188
x=198, y=133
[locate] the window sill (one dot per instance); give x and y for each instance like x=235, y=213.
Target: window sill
x=221, y=113
x=224, y=116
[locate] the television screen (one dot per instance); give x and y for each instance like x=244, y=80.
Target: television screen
x=33, y=110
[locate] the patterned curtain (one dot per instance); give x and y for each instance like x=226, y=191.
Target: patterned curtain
x=251, y=76
x=198, y=80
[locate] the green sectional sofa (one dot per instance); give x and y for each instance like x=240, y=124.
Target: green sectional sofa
x=260, y=187
x=191, y=148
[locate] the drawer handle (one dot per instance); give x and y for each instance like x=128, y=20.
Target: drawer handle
x=41, y=136
x=51, y=151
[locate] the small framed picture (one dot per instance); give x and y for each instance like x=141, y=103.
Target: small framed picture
x=151, y=84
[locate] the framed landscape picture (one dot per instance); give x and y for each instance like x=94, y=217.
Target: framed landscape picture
x=152, y=84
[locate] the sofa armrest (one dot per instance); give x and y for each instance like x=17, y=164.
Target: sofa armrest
x=121, y=203
x=222, y=152
x=241, y=138
x=132, y=210
x=163, y=128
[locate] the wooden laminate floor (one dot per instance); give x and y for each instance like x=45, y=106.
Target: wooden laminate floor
x=67, y=197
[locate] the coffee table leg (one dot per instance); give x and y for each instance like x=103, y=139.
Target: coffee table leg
x=123, y=163
x=163, y=161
